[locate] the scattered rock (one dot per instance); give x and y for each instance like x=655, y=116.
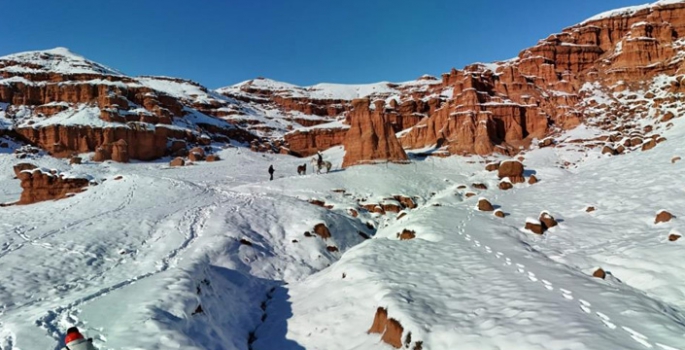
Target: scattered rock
x=675, y=159
x=461, y=187
x=546, y=143
x=196, y=154
x=389, y=328
x=609, y=150
x=245, y=242
x=177, y=162
x=534, y=226
x=352, y=212
x=479, y=186
x=673, y=237
x=668, y=116
x=649, y=145
x=492, y=166
x=402, y=214
x=511, y=169
x=322, y=231
x=198, y=310
x=75, y=160
x=295, y=241
x=308, y=234
x=532, y=180
x=505, y=185
x=212, y=158
x=406, y=235
x=485, y=205
x=118, y=177
x=599, y=273
x=663, y=216
x=317, y=202
x=363, y=235
x=332, y=248
x=406, y=201
x=547, y=220
x=499, y=213
x=469, y=194
x=589, y=209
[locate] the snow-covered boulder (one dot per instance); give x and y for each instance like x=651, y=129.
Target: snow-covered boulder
x=663, y=216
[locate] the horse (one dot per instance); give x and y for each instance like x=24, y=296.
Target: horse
x=302, y=169
x=325, y=164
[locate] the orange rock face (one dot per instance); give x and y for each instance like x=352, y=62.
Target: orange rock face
x=41, y=186
x=370, y=137
x=390, y=329
x=308, y=142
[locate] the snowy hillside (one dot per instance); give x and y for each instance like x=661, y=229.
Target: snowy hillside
x=130, y=261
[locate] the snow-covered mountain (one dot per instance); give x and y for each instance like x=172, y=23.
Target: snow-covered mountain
x=561, y=235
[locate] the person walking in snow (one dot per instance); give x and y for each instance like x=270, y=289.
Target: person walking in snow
x=74, y=340
x=320, y=160
x=271, y=172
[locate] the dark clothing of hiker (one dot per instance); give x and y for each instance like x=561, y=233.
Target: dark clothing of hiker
x=271, y=172
x=320, y=161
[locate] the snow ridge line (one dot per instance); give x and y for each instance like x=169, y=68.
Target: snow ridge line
x=198, y=220
x=567, y=294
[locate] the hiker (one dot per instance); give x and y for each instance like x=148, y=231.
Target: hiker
x=74, y=340
x=271, y=172
x=320, y=160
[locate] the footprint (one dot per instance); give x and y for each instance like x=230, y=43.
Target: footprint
x=520, y=266
x=584, y=302
x=585, y=309
x=488, y=249
x=665, y=347
x=477, y=244
x=531, y=276
x=606, y=320
x=566, y=293
x=467, y=238
x=498, y=255
x=468, y=235
x=521, y=270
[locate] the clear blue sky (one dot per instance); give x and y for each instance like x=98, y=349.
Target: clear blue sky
x=222, y=42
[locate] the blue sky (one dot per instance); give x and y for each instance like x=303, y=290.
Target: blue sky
x=304, y=42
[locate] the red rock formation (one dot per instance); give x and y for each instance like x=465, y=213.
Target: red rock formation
x=23, y=166
x=390, y=329
x=370, y=138
x=307, y=142
x=39, y=185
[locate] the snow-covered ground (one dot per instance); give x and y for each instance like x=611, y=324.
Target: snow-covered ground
x=129, y=261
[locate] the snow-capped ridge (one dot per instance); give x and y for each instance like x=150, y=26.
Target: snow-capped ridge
x=59, y=60
x=630, y=10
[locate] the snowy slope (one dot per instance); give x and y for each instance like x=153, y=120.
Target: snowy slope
x=57, y=61
x=630, y=10
x=130, y=260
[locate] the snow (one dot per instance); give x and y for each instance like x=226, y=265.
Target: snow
x=58, y=60
x=125, y=260
x=81, y=115
x=628, y=11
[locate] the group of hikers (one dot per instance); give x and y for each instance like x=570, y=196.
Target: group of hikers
x=302, y=169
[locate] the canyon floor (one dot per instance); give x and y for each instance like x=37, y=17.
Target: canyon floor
x=215, y=256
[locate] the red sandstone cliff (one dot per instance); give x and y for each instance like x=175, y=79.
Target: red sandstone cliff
x=370, y=138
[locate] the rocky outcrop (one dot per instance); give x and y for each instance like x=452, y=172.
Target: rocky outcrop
x=547, y=220
x=307, y=142
x=116, y=151
x=406, y=235
x=599, y=273
x=370, y=138
x=23, y=166
x=178, y=161
x=534, y=226
x=532, y=180
x=40, y=185
x=673, y=237
x=499, y=213
x=390, y=329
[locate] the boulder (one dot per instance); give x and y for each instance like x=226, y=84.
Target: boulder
x=534, y=226
x=589, y=209
x=667, y=116
x=673, y=237
x=322, y=231
x=406, y=235
x=546, y=143
x=492, y=166
x=352, y=212
x=499, y=213
x=332, y=248
x=75, y=160
x=469, y=194
x=547, y=220
x=511, y=169
x=609, y=150
x=178, y=161
x=599, y=273
x=479, y=186
x=675, y=159
x=119, y=151
x=484, y=205
x=212, y=158
x=407, y=202
x=649, y=145
x=532, y=180
x=663, y=216
x=196, y=154
x=505, y=185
